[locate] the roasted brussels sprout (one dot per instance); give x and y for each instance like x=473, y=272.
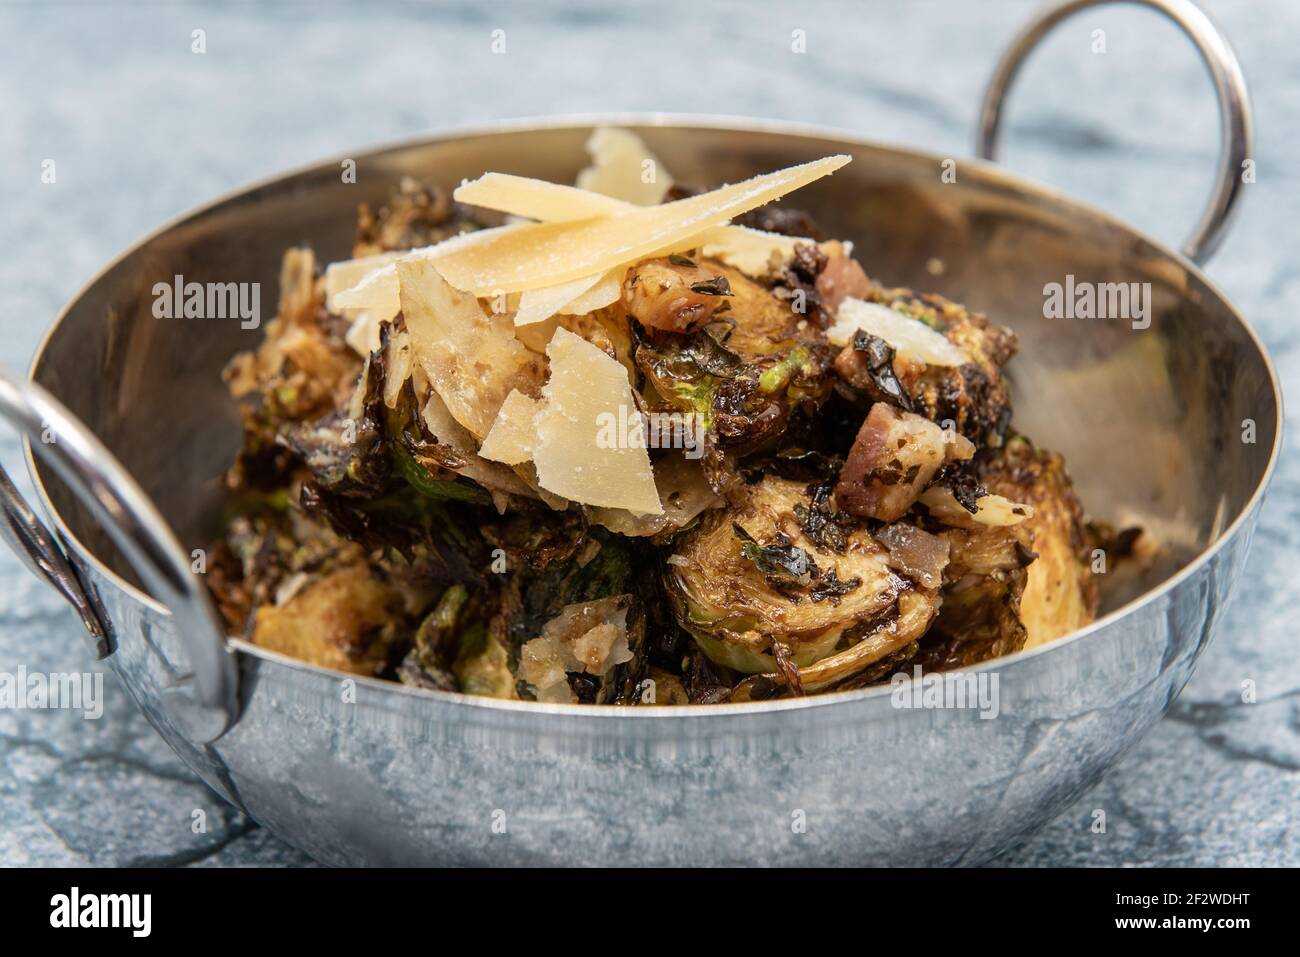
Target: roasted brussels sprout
x=347, y=619
x=674, y=294
x=980, y=614
x=753, y=587
x=745, y=374
x=482, y=666
x=1060, y=591
x=451, y=629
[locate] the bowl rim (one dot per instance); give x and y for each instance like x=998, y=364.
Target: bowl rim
x=986, y=174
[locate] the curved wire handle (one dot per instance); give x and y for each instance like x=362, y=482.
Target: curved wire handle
x=1237, y=124
x=34, y=544
x=203, y=704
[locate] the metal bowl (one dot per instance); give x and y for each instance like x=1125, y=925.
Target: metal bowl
x=131, y=429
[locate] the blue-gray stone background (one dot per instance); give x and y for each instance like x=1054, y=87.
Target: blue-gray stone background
x=142, y=128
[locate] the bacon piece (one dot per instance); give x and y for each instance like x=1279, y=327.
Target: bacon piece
x=841, y=277
x=893, y=459
x=915, y=553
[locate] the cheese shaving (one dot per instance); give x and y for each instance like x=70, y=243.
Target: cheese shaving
x=398, y=367
x=581, y=450
x=471, y=360
x=911, y=338
x=514, y=432
x=683, y=490
x=346, y=274
x=607, y=291
x=362, y=336
x=538, y=305
x=752, y=251
x=749, y=250
x=375, y=292
x=537, y=255
x=537, y=199
x=370, y=283
x=622, y=167
x=536, y=336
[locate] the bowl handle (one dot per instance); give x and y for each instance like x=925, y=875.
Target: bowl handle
x=202, y=704
x=1236, y=121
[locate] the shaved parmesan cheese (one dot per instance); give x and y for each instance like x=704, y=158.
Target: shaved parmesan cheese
x=537, y=255
x=514, y=431
x=992, y=510
x=749, y=250
x=752, y=251
x=607, y=291
x=683, y=491
x=586, y=636
x=375, y=292
x=622, y=167
x=536, y=336
x=573, y=454
x=374, y=287
x=362, y=336
x=472, y=361
x=540, y=304
x=346, y=274
x=542, y=664
x=537, y=199
x=528, y=474
x=911, y=338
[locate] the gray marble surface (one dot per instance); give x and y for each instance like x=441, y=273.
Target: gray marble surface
x=140, y=128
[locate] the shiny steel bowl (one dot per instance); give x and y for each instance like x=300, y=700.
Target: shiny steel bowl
x=353, y=770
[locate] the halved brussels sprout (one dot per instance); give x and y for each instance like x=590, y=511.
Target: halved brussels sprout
x=745, y=374
x=753, y=588
x=1060, y=590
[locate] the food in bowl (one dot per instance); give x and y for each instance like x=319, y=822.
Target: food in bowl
x=635, y=442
